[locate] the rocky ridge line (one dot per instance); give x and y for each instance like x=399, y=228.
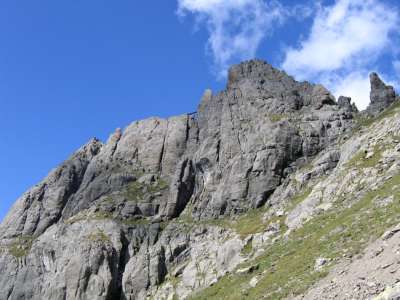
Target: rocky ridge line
x=116, y=219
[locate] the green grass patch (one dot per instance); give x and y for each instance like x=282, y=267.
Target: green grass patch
x=248, y=248
x=186, y=215
x=289, y=263
x=359, y=160
x=298, y=198
x=250, y=223
x=99, y=236
x=368, y=121
x=247, y=223
x=276, y=117
x=253, y=221
x=86, y=216
x=136, y=191
x=134, y=222
x=21, y=246
x=101, y=215
x=108, y=200
x=158, y=186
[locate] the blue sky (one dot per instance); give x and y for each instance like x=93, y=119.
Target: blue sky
x=71, y=70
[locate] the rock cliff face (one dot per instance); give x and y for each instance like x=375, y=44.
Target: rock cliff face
x=168, y=207
x=382, y=95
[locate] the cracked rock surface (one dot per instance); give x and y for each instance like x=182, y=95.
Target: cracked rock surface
x=145, y=214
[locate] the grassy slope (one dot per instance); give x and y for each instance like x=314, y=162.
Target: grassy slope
x=287, y=267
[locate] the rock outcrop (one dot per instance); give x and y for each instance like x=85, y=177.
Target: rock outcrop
x=382, y=95
x=141, y=215
x=255, y=133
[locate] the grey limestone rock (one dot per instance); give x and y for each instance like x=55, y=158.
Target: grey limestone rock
x=382, y=95
x=252, y=135
x=107, y=223
x=345, y=102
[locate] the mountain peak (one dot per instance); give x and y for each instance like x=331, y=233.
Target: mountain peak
x=255, y=70
x=381, y=96
x=166, y=207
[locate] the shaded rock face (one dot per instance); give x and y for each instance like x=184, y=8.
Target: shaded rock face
x=101, y=226
x=345, y=102
x=382, y=95
x=256, y=132
x=42, y=206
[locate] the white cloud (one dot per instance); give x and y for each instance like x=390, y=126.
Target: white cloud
x=351, y=29
x=343, y=45
x=236, y=27
x=345, y=41
x=355, y=85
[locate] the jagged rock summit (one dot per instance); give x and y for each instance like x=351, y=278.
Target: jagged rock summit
x=141, y=216
x=382, y=95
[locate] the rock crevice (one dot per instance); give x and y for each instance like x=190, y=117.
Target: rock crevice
x=118, y=217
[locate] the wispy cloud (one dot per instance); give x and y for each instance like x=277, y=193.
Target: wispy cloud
x=352, y=84
x=236, y=27
x=343, y=46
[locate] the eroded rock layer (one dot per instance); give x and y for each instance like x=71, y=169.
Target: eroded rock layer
x=121, y=220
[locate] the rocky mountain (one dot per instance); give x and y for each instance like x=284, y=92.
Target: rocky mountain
x=271, y=190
